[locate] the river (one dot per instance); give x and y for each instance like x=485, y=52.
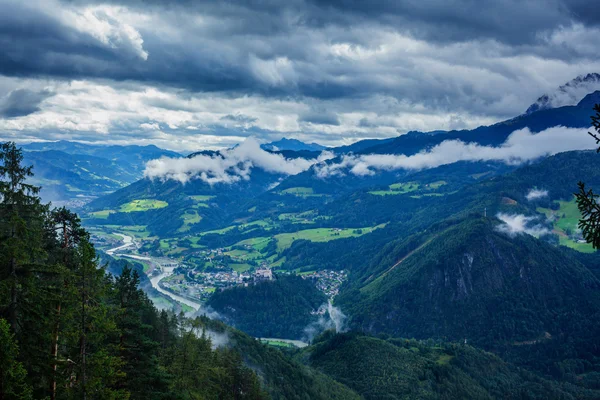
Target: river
x=168, y=271
x=154, y=280
x=127, y=242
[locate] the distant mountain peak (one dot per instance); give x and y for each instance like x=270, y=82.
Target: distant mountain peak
x=590, y=100
x=292, y=144
x=568, y=94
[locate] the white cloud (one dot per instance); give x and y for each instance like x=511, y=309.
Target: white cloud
x=522, y=145
x=535, y=194
x=150, y=127
x=515, y=224
x=230, y=166
x=105, y=24
x=331, y=317
x=276, y=72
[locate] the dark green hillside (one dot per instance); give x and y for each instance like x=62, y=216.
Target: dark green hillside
x=65, y=176
x=283, y=377
x=407, y=216
x=274, y=309
x=409, y=369
x=225, y=199
x=470, y=281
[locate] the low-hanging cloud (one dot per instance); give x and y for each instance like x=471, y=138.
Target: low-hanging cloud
x=515, y=224
x=229, y=166
x=331, y=318
x=535, y=194
x=521, y=146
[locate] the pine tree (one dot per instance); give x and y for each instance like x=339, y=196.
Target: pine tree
x=587, y=200
x=20, y=227
x=93, y=338
x=64, y=235
x=138, y=342
x=13, y=385
x=23, y=298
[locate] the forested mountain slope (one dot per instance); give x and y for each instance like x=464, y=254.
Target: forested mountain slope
x=388, y=368
x=69, y=330
x=473, y=281
x=282, y=308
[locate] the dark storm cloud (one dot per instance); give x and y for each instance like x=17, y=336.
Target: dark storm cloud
x=320, y=117
x=239, y=118
x=332, y=71
x=512, y=21
x=242, y=46
x=21, y=102
x=36, y=43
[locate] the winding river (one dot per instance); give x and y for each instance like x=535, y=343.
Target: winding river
x=168, y=271
x=154, y=280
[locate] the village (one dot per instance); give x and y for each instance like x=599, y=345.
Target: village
x=208, y=270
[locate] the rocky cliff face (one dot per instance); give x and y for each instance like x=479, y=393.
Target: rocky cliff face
x=475, y=282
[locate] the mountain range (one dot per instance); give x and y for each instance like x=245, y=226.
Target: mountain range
x=463, y=277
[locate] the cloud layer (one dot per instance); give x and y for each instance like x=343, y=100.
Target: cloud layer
x=229, y=166
x=522, y=145
x=535, y=194
x=515, y=224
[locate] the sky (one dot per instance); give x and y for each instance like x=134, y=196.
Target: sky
x=188, y=75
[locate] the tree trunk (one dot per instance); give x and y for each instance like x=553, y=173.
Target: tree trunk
x=13, y=295
x=83, y=335
x=55, y=353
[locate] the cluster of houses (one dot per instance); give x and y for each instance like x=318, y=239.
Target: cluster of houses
x=202, y=284
x=328, y=281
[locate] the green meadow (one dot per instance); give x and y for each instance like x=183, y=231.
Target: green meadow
x=143, y=205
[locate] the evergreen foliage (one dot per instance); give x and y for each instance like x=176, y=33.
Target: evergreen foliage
x=68, y=330
x=389, y=368
x=273, y=309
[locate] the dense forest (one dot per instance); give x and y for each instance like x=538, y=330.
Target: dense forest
x=282, y=308
x=69, y=330
x=516, y=296
x=389, y=368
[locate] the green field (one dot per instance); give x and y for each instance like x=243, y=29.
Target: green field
x=480, y=175
x=405, y=187
x=408, y=187
x=278, y=343
x=264, y=223
x=566, y=220
x=298, y=218
x=101, y=214
x=137, y=231
x=189, y=217
x=285, y=240
x=240, y=267
x=143, y=205
x=201, y=198
x=258, y=243
x=300, y=192
x=436, y=185
x=200, y=201
x=397, y=188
